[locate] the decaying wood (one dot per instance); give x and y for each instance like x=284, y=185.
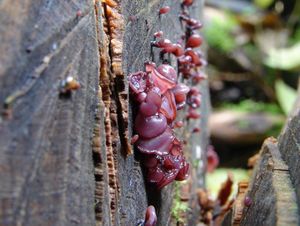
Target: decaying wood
x=125, y=31
x=66, y=160
x=273, y=198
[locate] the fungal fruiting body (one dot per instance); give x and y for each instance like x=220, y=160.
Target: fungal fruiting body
x=247, y=201
x=164, y=10
x=150, y=216
x=212, y=159
x=159, y=97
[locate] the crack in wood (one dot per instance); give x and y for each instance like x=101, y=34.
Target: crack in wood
x=110, y=96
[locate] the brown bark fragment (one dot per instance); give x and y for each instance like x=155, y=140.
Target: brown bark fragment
x=239, y=203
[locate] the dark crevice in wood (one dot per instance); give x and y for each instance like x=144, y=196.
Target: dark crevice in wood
x=114, y=32
x=109, y=167
x=122, y=122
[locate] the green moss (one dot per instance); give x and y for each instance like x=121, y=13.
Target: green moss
x=178, y=207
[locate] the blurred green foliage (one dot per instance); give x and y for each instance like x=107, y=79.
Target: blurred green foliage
x=218, y=33
x=263, y=3
x=252, y=106
x=275, y=130
x=295, y=38
x=286, y=96
x=284, y=59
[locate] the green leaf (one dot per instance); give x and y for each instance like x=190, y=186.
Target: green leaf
x=286, y=96
x=263, y=3
x=284, y=59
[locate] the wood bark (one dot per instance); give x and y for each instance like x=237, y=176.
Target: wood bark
x=67, y=160
x=274, y=189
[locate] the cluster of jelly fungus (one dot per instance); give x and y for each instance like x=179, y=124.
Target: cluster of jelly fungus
x=159, y=96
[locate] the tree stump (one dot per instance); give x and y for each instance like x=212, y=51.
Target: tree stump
x=274, y=190
x=67, y=159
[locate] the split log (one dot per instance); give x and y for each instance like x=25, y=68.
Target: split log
x=271, y=192
x=289, y=147
x=270, y=198
x=66, y=160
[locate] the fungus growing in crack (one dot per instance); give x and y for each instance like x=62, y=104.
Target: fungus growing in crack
x=158, y=95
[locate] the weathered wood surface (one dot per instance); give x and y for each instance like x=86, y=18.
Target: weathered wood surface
x=63, y=160
x=46, y=165
x=289, y=147
x=139, y=21
x=272, y=195
x=274, y=189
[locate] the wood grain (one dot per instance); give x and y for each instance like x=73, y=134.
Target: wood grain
x=46, y=166
x=66, y=160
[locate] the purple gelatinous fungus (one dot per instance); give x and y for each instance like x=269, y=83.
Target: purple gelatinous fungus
x=150, y=217
x=158, y=95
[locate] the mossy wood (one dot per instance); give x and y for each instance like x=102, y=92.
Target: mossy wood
x=67, y=160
